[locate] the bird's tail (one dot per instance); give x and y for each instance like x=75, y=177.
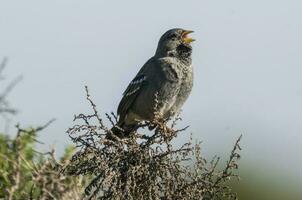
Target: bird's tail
x=117, y=131
x=121, y=131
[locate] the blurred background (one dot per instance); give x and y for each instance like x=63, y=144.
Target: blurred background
x=247, y=66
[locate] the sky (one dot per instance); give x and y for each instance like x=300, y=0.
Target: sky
x=246, y=61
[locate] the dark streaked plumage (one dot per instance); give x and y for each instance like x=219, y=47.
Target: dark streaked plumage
x=168, y=74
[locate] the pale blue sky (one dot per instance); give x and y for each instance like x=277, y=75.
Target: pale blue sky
x=246, y=59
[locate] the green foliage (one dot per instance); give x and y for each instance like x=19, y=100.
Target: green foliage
x=15, y=157
x=28, y=174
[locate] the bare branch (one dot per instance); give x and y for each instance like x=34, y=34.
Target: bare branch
x=145, y=165
x=4, y=105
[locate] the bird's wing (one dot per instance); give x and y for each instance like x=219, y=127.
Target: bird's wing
x=132, y=91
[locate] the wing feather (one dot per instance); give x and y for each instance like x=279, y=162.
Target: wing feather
x=130, y=94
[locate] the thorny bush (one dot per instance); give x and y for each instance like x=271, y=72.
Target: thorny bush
x=145, y=165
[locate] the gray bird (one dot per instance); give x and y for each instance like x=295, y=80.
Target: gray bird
x=161, y=86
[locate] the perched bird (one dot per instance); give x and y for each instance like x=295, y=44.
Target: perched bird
x=161, y=86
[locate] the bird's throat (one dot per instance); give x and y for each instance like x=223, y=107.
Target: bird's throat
x=184, y=52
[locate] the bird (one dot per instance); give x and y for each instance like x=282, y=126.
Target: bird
x=161, y=86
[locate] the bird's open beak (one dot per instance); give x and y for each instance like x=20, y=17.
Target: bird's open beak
x=185, y=37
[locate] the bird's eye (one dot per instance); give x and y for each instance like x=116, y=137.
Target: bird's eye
x=173, y=36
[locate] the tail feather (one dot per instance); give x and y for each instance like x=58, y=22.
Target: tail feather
x=118, y=131
x=121, y=131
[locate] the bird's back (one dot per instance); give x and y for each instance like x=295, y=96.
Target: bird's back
x=163, y=80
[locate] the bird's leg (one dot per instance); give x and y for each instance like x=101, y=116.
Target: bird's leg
x=161, y=126
x=151, y=126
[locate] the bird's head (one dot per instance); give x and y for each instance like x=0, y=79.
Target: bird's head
x=175, y=41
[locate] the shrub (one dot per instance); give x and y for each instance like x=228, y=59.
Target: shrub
x=28, y=174
x=145, y=165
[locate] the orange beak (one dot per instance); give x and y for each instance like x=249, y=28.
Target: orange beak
x=185, y=37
